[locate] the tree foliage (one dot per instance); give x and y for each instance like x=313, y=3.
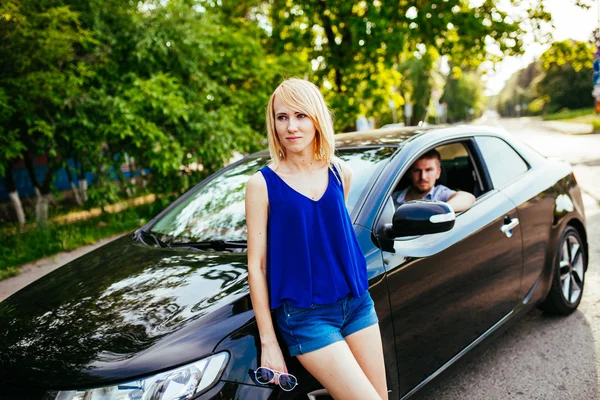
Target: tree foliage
x=347, y=41
x=561, y=78
x=42, y=77
x=519, y=89
x=176, y=86
x=463, y=92
x=567, y=79
x=167, y=84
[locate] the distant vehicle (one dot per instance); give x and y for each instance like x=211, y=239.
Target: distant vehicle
x=393, y=126
x=165, y=313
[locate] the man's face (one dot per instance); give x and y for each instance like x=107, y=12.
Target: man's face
x=424, y=173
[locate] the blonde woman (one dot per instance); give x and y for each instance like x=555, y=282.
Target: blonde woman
x=304, y=261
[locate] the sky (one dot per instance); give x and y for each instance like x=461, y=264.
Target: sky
x=570, y=22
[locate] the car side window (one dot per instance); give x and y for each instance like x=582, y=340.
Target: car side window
x=504, y=164
x=458, y=171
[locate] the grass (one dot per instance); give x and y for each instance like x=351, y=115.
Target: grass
x=583, y=116
x=31, y=245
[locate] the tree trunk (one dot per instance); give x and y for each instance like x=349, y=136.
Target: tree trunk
x=132, y=187
x=83, y=189
x=119, y=174
x=16, y=201
x=122, y=180
x=31, y=171
x=143, y=175
x=131, y=171
x=73, y=186
x=41, y=207
x=42, y=190
x=76, y=193
x=11, y=188
x=333, y=46
x=82, y=183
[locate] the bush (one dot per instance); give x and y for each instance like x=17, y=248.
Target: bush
x=536, y=107
x=565, y=113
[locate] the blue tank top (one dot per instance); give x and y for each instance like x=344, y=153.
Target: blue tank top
x=313, y=255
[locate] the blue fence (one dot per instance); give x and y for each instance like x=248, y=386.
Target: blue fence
x=60, y=179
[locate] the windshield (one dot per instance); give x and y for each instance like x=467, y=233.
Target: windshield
x=215, y=211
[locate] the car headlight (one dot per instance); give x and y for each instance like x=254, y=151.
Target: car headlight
x=181, y=383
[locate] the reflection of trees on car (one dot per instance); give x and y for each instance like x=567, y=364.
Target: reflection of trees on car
x=216, y=210
x=125, y=309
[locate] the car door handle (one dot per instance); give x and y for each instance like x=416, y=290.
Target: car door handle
x=507, y=229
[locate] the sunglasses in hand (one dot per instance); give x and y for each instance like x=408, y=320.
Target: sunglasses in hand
x=265, y=376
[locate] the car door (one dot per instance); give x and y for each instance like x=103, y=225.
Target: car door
x=531, y=189
x=447, y=289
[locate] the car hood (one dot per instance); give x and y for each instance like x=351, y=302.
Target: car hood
x=122, y=311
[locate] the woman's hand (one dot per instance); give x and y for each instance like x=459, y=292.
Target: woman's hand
x=272, y=358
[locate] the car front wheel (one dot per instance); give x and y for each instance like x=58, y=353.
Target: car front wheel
x=568, y=276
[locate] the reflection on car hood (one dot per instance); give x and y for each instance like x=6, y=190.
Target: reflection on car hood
x=121, y=311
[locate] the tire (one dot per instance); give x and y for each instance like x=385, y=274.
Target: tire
x=568, y=275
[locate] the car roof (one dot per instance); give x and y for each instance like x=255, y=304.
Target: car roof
x=423, y=137
x=391, y=137
x=397, y=136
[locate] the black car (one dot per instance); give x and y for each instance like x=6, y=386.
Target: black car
x=165, y=313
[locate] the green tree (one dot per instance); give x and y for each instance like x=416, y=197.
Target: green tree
x=173, y=86
x=419, y=79
x=181, y=87
x=41, y=76
x=345, y=41
x=12, y=149
x=567, y=75
x=519, y=89
x=463, y=92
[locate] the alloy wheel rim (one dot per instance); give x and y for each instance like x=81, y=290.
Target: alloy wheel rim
x=571, y=269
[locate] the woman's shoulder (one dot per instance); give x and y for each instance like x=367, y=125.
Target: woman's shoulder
x=343, y=169
x=257, y=182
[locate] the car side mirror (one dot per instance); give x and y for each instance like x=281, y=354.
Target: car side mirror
x=421, y=217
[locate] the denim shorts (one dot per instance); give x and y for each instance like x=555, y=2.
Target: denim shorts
x=309, y=329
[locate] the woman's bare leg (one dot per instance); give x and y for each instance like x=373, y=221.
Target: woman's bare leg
x=367, y=349
x=338, y=371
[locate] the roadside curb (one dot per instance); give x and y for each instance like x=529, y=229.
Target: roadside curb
x=569, y=128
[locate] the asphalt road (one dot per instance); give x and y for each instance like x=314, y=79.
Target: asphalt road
x=542, y=356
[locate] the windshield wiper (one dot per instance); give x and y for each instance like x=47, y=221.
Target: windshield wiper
x=218, y=245
x=141, y=234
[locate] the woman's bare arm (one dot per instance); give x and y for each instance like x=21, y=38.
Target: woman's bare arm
x=257, y=212
x=347, y=178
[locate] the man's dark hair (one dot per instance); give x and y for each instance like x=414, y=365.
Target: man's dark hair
x=433, y=153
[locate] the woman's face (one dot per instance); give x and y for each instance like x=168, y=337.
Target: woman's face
x=295, y=130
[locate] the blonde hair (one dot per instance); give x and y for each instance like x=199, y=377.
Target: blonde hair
x=303, y=96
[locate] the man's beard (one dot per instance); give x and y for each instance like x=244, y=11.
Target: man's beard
x=422, y=192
